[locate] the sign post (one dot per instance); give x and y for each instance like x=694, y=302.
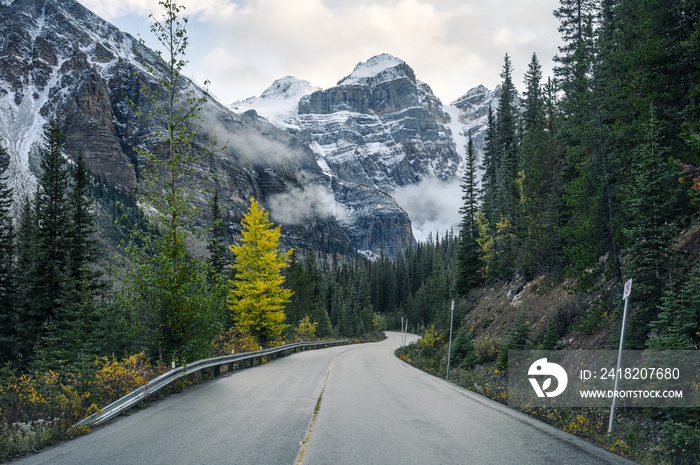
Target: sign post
x=626, y=297
x=449, y=345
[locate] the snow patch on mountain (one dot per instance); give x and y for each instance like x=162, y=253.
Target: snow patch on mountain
x=22, y=127
x=459, y=135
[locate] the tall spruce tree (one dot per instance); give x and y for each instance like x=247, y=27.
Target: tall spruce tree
x=508, y=148
x=83, y=249
x=679, y=317
x=533, y=101
x=468, y=254
x=8, y=311
x=534, y=176
x=28, y=322
x=79, y=327
x=651, y=229
x=584, y=233
x=572, y=16
x=297, y=281
x=489, y=166
x=53, y=217
x=501, y=196
x=317, y=310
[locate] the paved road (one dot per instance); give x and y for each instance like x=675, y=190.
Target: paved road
x=374, y=409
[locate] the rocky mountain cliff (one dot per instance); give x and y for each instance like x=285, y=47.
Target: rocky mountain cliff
x=382, y=128
x=378, y=126
x=59, y=59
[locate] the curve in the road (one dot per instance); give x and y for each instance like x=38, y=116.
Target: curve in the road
x=341, y=405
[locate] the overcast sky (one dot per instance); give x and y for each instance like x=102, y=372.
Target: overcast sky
x=242, y=46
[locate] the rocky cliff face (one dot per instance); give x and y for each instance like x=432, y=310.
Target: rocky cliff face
x=473, y=110
x=54, y=54
x=379, y=126
x=57, y=59
x=376, y=132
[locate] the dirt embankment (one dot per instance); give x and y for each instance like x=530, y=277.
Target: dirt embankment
x=583, y=320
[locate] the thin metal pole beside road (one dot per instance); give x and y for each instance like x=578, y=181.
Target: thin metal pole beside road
x=626, y=297
x=449, y=345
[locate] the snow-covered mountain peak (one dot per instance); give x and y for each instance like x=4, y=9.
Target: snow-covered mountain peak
x=287, y=88
x=382, y=68
x=279, y=102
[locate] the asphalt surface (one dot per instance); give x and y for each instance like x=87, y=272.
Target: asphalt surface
x=355, y=405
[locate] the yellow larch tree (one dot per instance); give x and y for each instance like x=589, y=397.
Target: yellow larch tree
x=256, y=297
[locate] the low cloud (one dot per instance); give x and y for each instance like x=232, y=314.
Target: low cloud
x=299, y=205
x=251, y=145
x=433, y=206
x=261, y=149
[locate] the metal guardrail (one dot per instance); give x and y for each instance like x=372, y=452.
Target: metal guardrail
x=156, y=384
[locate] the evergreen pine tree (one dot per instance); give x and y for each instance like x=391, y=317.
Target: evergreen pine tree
x=518, y=338
x=533, y=101
x=651, y=229
x=678, y=318
x=317, y=310
x=28, y=322
x=216, y=248
x=585, y=232
x=298, y=282
x=53, y=216
x=572, y=16
x=463, y=352
x=437, y=295
x=507, y=142
x=537, y=177
x=489, y=165
x=79, y=326
x=468, y=255
x=8, y=312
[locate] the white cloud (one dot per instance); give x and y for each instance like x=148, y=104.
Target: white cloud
x=433, y=206
x=297, y=206
x=109, y=10
x=453, y=45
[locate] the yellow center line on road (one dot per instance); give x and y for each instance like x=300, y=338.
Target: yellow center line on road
x=307, y=437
